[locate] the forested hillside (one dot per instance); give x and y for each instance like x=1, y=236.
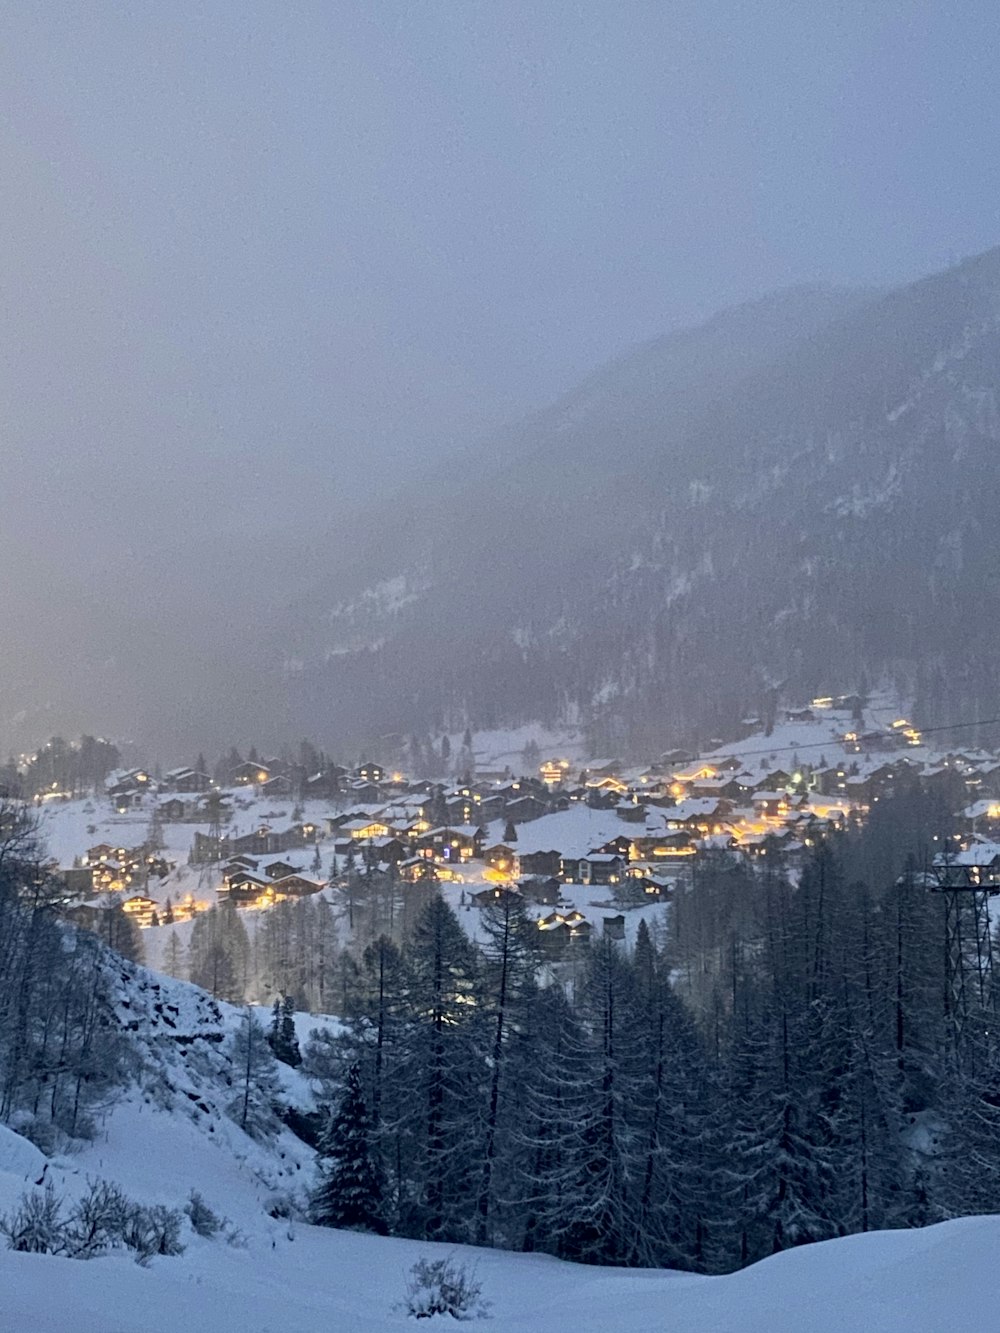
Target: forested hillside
x=798, y=494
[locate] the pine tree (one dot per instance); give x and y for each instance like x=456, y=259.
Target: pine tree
x=219, y=953
x=442, y=1078
x=255, y=1079
x=289, y=1053
x=512, y=957
x=173, y=960
x=350, y=1192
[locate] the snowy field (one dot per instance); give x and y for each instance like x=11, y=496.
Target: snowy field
x=289, y=1278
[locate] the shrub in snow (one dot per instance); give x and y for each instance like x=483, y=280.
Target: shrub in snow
x=204, y=1222
x=37, y=1225
x=98, y=1221
x=151, y=1231
x=104, y=1219
x=442, y=1286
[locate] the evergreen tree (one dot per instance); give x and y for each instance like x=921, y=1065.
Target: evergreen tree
x=173, y=959
x=219, y=953
x=350, y=1191
x=255, y=1079
x=288, y=1051
x=443, y=1077
x=512, y=957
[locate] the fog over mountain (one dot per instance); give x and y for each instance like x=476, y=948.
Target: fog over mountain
x=286, y=295
x=795, y=497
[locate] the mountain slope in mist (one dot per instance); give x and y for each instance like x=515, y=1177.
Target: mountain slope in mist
x=797, y=494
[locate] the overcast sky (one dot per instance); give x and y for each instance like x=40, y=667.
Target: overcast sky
x=252, y=251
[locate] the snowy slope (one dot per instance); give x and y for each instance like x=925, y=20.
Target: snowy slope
x=307, y=1280
x=271, y=1275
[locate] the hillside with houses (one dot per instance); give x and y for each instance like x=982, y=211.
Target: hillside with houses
x=589, y=846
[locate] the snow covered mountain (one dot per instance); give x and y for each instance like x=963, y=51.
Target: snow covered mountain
x=798, y=494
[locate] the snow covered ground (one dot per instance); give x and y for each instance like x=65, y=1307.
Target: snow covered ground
x=279, y=1276
x=290, y=1278
x=170, y=1136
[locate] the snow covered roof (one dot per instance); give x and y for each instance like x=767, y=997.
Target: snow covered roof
x=574, y=832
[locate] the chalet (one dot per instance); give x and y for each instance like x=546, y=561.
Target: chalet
x=334, y=823
x=297, y=886
x=981, y=816
x=264, y=841
x=417, y=870
x=696, y=814
x=631, y=812
x=541, y=889
x=186, y=781
x=101, y=851
x=279, y=785
x=134, y=781
x=78, y=880
x=243, y=883
x=173, y=810
x=604, y=868
x=462, y=842
x=553, y=771
x=620, y=846
x=364, y=791
x=361, y=830
x=497, y=893
x=727, y=786
x=594, y=868
x=385, y=851
x=560, y=932
x=501, y=857
x=278, y=869
x=770, y=803
x=463, y=809
x=525, y=808
x=663, y=846
x=248, y=774
x=973, y=867
x=774, y=780
x=648, y=887
x=369, y=772
x=140, y=907
x=244, y=861
x=543, y=863
x=614, y=927
x=490, y=806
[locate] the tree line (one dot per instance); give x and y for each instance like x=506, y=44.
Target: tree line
x=792, y=1061
x=62, y=1050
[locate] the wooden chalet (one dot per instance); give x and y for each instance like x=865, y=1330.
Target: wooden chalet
x=541, y=889
x=559, y=932
x=545, y=863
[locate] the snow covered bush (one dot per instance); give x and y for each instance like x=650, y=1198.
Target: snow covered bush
x=37, y=1225
x=98, y=1222
x=204, y=1222
x=442, y=1286
x=103, y=1219
x=151, y=1231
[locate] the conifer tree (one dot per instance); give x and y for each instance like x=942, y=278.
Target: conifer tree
x=255, y=1078
x=512, y=957
x=350, y=1191
x=442, y=1077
